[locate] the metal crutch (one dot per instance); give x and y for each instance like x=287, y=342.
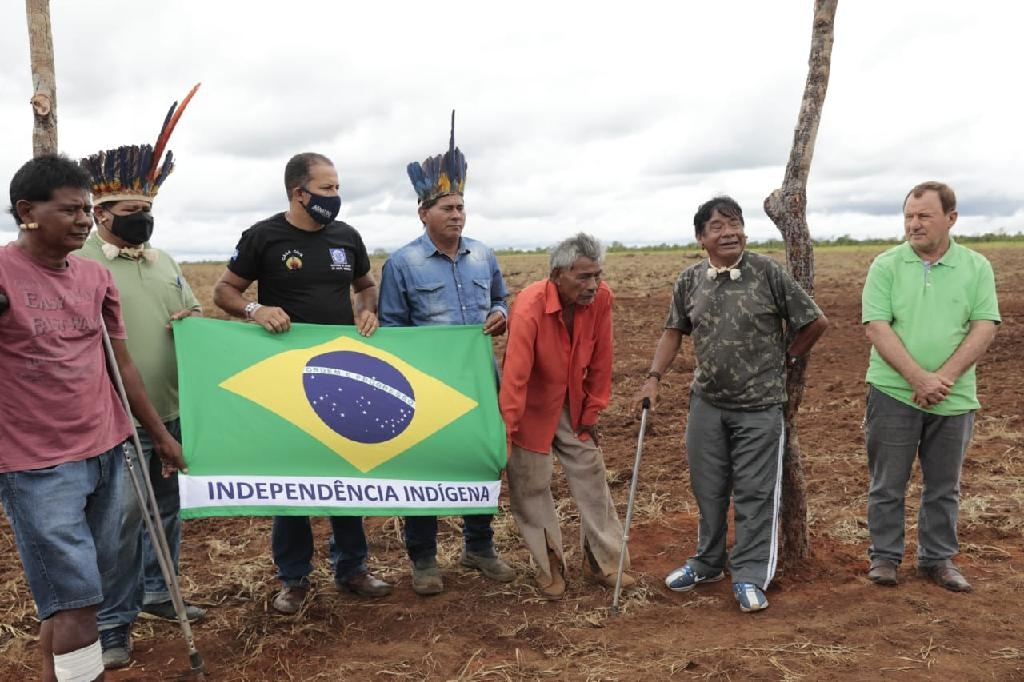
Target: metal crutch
x=629, y=507
x=150, y=511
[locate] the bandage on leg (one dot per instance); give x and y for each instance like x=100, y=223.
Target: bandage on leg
x=80, y=665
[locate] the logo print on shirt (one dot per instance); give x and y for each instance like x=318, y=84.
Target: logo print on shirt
x=339, y=260
x=292, y=259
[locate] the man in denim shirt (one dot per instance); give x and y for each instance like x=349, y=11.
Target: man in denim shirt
x=445, y=278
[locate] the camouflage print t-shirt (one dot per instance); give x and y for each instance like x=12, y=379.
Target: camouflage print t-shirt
x=737, y=330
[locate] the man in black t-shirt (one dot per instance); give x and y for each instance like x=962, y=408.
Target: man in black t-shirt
x=306, y=263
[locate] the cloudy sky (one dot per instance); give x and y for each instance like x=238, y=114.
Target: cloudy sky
x=614, y=118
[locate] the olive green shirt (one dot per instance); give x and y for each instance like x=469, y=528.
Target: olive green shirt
x=738, y=329
x=150, y=294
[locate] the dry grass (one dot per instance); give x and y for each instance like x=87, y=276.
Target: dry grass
x=481, y=630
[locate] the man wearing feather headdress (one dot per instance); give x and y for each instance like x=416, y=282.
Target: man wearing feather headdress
x=154, y=292
x=308, y=266
x=443, y=266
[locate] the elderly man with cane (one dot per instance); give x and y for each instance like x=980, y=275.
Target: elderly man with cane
x=61, y=467
x=557, y=378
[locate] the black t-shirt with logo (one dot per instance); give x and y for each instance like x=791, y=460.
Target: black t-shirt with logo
x=308, y=274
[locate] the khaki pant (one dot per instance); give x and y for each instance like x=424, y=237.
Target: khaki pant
x=529, y=484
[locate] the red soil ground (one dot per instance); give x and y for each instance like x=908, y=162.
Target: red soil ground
x=826, y=621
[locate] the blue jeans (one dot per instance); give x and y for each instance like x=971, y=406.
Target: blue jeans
x=139, y=579
x=291, y=542
x=421, y=535
x=65, y=520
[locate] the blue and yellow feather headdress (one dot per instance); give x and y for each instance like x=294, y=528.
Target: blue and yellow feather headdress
x=439, y=175
x=135, y=171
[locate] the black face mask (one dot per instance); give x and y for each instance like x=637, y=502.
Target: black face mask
x=321, y=208
x=135, y=228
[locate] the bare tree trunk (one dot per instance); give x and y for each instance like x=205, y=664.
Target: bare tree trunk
x=44, y=80
x=787, y=207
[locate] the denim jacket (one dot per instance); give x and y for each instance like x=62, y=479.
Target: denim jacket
x=421, y=286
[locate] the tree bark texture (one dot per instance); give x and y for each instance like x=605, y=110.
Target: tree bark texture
x=44, y=80
x=787, y=208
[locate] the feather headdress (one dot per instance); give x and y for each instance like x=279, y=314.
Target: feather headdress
x=439, y=175
x=135, y=171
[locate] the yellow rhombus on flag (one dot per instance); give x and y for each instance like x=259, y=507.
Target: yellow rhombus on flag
x=276, y=384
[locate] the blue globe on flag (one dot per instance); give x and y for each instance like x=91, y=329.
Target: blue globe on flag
x=358, y=396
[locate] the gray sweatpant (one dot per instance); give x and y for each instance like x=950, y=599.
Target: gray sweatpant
x=896, y=435
x=739, y=454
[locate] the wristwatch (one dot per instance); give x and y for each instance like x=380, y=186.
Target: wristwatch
x=250, y=309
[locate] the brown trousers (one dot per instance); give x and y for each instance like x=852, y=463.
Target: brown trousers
x=529, y=484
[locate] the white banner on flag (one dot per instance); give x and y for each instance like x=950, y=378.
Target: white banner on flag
x=317, y=491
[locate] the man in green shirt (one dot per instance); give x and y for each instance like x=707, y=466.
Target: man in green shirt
x=929, y=309
x=153, y=294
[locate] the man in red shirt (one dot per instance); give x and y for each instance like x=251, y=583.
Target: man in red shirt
x=63, y=423
x=557, y=378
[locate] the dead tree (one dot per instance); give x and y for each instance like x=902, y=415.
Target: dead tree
x=44, y=80
x=787, y=207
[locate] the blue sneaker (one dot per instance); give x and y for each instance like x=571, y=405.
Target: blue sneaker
x=685, y=578
x=750, y=596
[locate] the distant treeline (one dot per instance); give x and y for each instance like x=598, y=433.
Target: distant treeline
x=844, y=240
x=841, y=240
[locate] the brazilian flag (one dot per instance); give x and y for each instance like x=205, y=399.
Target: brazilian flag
x=320, y=420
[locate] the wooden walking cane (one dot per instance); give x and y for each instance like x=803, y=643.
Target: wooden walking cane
x=629, y=507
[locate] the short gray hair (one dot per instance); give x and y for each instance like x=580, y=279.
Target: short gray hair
x=580, y=245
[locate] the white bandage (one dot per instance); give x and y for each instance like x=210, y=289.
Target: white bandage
x=80, y=665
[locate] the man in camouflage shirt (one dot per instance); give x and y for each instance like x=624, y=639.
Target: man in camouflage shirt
x=737, y=306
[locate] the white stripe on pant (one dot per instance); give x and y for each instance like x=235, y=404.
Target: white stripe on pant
x=736, y=454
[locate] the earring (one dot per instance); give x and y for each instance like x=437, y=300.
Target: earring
x=29, y=226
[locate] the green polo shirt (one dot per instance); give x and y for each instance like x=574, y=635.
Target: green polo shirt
x=150, y=294
x=930, y=308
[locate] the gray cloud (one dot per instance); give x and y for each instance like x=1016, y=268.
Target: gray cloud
x=571, y=116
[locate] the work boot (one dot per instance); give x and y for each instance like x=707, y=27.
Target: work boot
x=607, y=579
x=365, y=584
x=946, y=574
x=289, y=600
x=592, y=571
x=488, y=563
x=426, y=577
x=552, y=587
x=883, y=572
x=116, y=644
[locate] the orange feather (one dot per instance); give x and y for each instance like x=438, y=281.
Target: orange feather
x=165, y=135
